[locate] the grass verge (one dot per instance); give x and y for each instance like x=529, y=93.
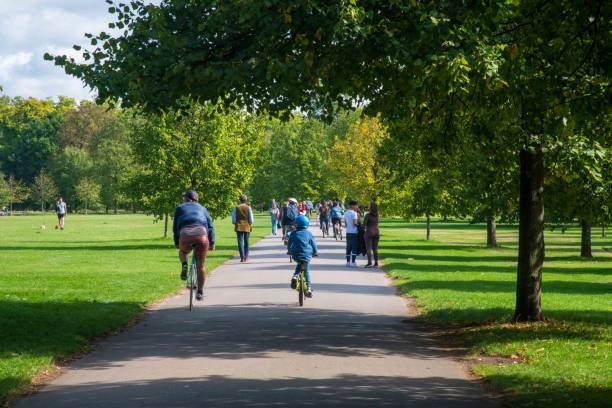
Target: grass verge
x=61, y=289
x=563, y=362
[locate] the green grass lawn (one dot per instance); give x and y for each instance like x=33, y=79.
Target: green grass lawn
x=564, y=362
x=60, y=289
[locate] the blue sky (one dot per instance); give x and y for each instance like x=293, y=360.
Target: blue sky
x=29, y=28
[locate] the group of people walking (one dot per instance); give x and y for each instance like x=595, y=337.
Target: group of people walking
x=193, y=229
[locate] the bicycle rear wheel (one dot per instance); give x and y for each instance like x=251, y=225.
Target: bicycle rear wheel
x=192, y=281
x=301, y=287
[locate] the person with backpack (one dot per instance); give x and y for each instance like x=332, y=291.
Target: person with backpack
x=336, y=213
x=242, y=218
x=324, y=218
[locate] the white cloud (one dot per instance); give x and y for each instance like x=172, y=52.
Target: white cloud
x=30, y=28
x=9, y=63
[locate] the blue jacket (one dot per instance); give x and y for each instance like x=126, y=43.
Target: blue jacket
x=337, y=211
x=191, y=213
x=302, y=245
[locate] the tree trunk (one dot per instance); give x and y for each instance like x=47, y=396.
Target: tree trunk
x=42, y=207
x=603, y=231
x=115, y=207
x=531, y=237
x=85, y=207
x=491, y=232
x=585, y=241
x=428, y=226
x=166, y=225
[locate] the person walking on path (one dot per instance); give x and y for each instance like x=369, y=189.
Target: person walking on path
x=61, y=211
x=351, y=219
x=242, y=218
x=274, y=216
x=193, y=228
x=372, y=234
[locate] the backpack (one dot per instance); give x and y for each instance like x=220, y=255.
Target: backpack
x=290, y=213
x=336, y=212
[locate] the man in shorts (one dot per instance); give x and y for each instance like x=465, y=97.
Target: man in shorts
x=193, y=228
x=60, y=210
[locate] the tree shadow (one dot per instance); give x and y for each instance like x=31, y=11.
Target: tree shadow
x=342, y=390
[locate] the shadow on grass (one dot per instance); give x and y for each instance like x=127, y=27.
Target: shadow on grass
x=529, y=391
x=101, y=247
x=486, y=315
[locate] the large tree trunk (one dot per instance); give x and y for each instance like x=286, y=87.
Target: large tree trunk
x=428, y=226
x=531, y=237
x=585, y=241
x=166, y=225
x=491, y=232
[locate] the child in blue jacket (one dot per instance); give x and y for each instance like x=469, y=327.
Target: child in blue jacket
x=302, y=247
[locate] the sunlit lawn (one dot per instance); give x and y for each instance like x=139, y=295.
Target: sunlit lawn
x=59, y=289
x=564, y=362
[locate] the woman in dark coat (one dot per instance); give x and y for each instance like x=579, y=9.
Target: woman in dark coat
x=372, y=235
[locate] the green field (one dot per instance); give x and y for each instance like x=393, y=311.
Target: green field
x=564, y=362
x=60, y=289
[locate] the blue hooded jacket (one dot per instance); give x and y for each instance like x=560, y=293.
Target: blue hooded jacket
x=191, y=213
x=302, y=245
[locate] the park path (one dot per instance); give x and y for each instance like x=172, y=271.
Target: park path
x=249, y=344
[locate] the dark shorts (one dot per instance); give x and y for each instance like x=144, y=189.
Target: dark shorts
x=336, y=221
x=60, y=216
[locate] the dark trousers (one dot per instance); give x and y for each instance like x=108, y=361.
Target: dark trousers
x=352, y=247
x=243, y=244
x=372, y=248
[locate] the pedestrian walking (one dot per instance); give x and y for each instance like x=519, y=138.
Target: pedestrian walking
x=274, y=216
x=372, y=235
x=242, y=218
x=61, y=210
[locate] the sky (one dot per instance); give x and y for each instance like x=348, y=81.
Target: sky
x=29, y=28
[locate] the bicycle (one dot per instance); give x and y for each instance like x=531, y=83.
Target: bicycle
x=338, y=230
x=301, y=284
x=286, y=232
x=325, y=227
x=192, y=277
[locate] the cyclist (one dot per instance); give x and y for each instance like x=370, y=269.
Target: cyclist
x=302, y=247
x=290, y=213
x=337, y=212
x=193, y=228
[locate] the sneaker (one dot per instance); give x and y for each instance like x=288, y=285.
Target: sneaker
x=294, y=282
x=375, y=266
x=348, y=264
x=308, y=293
x=199, y=295
x=368, y=266
x=184, y=272
x=353, y=265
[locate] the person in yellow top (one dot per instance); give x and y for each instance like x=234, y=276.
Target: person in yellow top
x=242, y=218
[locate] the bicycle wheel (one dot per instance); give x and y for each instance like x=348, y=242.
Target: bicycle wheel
x=193, y=281
x=301, y=285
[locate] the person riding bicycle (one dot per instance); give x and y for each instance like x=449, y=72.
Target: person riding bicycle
x=302, y=247
x=193, y=228
x=337, y=212
x=290, y=214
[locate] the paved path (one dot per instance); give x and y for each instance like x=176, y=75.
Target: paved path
x=249, y=344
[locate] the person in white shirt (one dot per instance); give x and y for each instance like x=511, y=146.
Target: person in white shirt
x=351, y=219
x=61, y=211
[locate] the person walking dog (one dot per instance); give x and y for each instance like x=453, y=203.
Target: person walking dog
x=242, y=218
